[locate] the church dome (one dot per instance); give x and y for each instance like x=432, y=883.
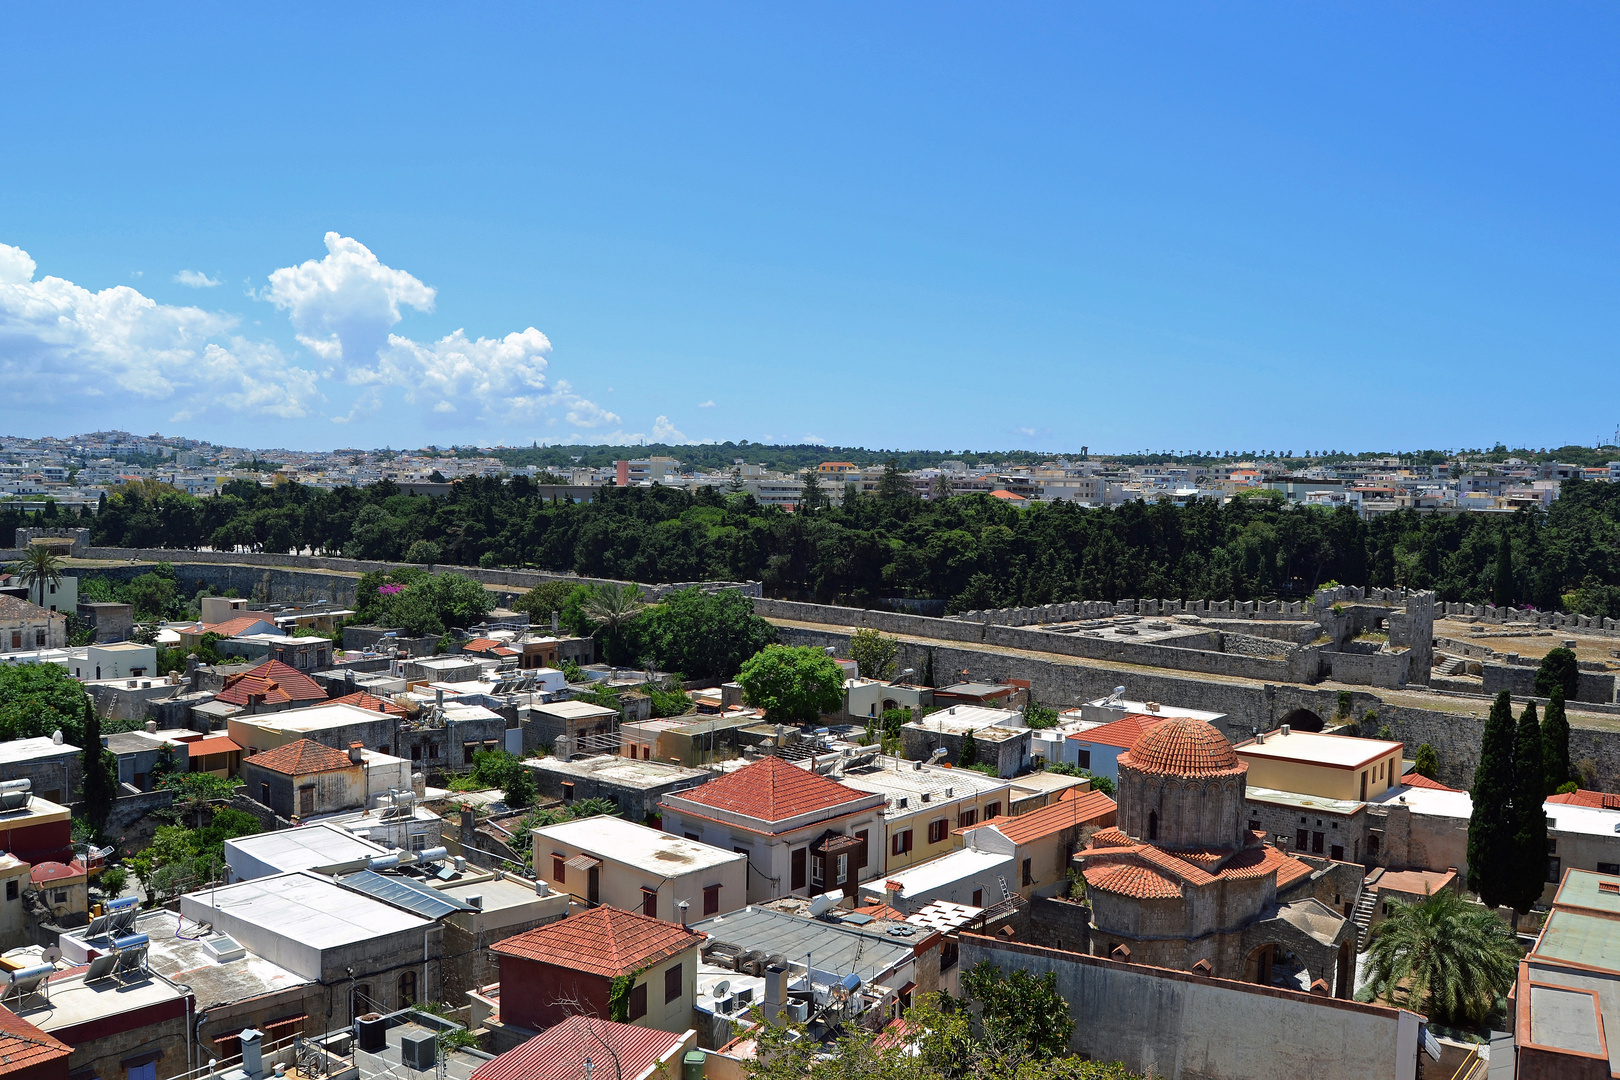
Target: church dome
x=1183, y=747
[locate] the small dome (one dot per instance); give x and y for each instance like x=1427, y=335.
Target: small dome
x=1183, y=747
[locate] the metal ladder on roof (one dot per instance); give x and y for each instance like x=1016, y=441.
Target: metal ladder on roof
x=1002, y=881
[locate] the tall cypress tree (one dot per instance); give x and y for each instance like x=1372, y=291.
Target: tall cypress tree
x=100, y=779
x=1490, y=829
x=1555, y=743
x=1528, y=870
x=1502, y=587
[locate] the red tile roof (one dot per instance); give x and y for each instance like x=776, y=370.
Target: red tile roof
x=1598, y=800
x=1129, y=879
x=1088, y=807
x=482, y=644
x=620, y=1050
x=301, y=758
x=22, y=1045
x=1259, y=861
x=54, y=871
x=1182, y=747
x=218, y=744
x=279, y=683
x=603, y=941
x=1122, y=733
x=1110, y=837
x=1417, y=780
x=772, y=790
x=366, y=701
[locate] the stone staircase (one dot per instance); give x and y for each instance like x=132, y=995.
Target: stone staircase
x=1452, y=665
x=1366, y=905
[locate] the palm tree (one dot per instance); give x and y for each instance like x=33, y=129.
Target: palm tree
x=1443, y=956
x=612, y=606
x=40, y=566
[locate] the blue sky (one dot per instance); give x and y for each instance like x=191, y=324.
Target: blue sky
x=1172, y=227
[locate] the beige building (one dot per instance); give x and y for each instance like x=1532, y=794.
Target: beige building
x=14, y=928
x=305, y=778
x=803, y=834
x=608, y=860
x=1043, y=842
x=1328, y=766
x=924, y=805
x=26, y=627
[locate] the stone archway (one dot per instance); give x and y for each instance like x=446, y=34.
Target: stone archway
x=1258, y=964
x=1303, y=720
x=1344, y=975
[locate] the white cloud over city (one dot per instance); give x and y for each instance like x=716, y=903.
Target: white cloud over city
x=348, y=357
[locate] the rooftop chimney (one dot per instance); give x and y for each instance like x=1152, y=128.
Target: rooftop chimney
x=775, y=997
x=681, y=907
x=1285, y=729
x=252, y=1054
x=354, y=752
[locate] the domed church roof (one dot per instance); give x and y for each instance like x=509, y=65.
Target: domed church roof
x=1183, y=747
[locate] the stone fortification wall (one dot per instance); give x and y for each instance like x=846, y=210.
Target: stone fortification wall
x=1387, y=670
x=1249, y=707
x=1302, y=665
x=1179, y=1026
x=1520, y=680
x=516, y=580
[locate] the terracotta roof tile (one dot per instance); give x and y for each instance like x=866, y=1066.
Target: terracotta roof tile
x=12, y=607
x=772, y=790
x=1173, y=866
x=1090, y=806
x=218, y=744
x=1122, y=733
x=1598, y=800
x=366, y=701
x=482, y=644
x=1111, y=837
x=1419, y=781
x=1259, y=861
x=22, y=1045
x=1130, y=879
x=301, y=758
x=279, y=683
x=557, y=1053
x=1182, y=747
x=603, y=941
x=232, y=627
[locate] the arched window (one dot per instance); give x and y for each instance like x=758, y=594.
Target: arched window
x=362, y=1002
x=407, y=988
x=1153, y=825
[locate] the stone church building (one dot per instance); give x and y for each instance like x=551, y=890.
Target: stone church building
x=1181, y=883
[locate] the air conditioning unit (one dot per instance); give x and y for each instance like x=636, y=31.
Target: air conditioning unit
x=417, y=1050
x=799, y=1011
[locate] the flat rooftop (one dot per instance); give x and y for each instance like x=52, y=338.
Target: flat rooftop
x=650, y=849
x=987, y=724
x=74, y=1001
x=938, y=873
x=626, y=772
x=896, y=778
x=1302, y=802
x=573, y=710
x=187, y=959
x=1454, y=804
x=1126, y=705
x=1583, y=888
x=313, y=910
x=314, y=718
x=833, y=947
x=307, y=846
x=20, y=750
x=1581, y=937
x=1312, y=748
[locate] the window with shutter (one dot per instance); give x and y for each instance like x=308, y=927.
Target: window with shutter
x=711, y=900
x=672, y=984
x=638, y=1002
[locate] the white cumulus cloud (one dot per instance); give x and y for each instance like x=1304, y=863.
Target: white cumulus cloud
x=344, y=305
x=60, y=342
x=665, y=432
x=196, y=279
x=706, y=404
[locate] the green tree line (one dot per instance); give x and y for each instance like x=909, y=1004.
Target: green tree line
x=969, y=551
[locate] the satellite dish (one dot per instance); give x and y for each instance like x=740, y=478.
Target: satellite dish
x=51, y=955
x=720, y=988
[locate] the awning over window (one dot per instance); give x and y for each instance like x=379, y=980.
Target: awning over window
x=582, y=862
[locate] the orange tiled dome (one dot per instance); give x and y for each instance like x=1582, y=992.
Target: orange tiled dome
x=1183, y=747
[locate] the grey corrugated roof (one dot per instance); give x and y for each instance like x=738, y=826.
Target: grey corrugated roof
x=403, y=893
x=832, y=948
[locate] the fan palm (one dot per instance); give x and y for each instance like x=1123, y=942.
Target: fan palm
x=1442, y=956
x=612, y=606
x=40, y=566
